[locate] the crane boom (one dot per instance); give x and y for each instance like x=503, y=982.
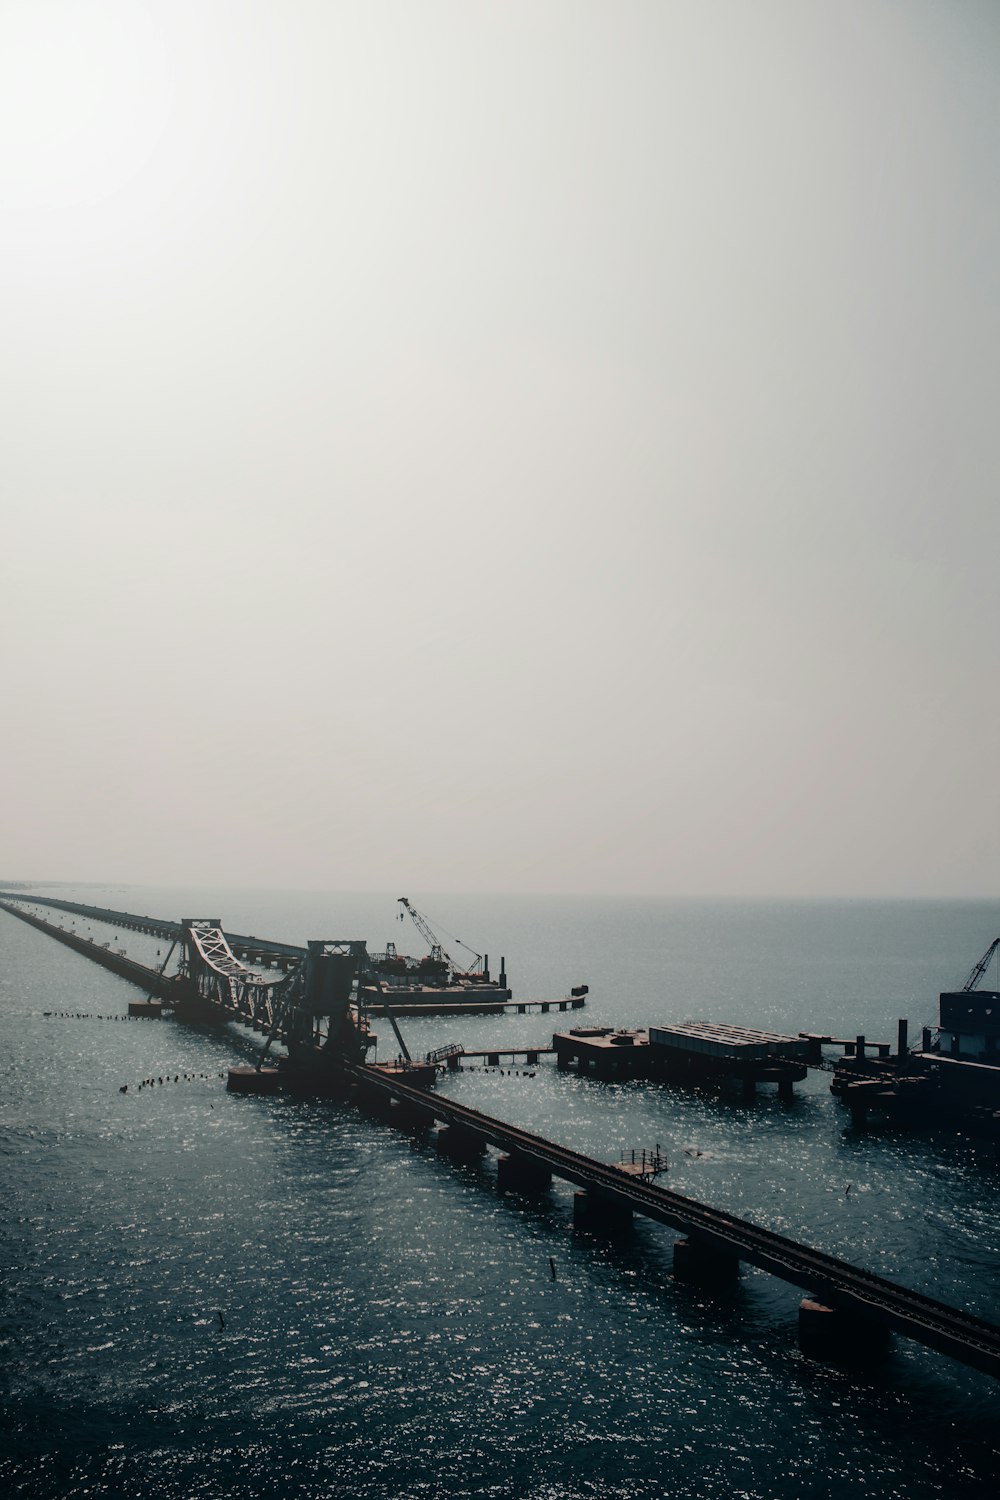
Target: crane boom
x=981, y=967
x=433, y=942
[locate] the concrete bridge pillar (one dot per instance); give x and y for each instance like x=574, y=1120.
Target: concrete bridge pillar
x=520, y=1174
x=601, y=1215
x=407, y=1116
x=834, y=1336
x=150, y=1009
x=459, y=1144
x=694, y=1260
x=375, y=1102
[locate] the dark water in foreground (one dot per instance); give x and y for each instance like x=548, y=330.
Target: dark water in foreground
x=392, y=1327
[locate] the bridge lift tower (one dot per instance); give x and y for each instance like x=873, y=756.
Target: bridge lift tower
x=315, y=1010
x=310, y=1007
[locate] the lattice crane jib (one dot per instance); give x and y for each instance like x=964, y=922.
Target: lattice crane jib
x=980, y=969
x=438, y=953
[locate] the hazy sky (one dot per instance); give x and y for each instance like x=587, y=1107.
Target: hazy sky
x=521, y=446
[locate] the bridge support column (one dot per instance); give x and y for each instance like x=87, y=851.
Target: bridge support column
x=197, y=1011
x=522, y=1175
x=150, y=1009
x=831, y=1335
x=406, y=1116
x=375, y=1102
x=459, y=1144
x=601, y=1215
x=694, y=1260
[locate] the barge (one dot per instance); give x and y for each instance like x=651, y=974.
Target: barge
x=950, y=1078
x=435, y=983
x=692, y=1052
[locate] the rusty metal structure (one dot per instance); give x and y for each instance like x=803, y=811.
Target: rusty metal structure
x=313, y=1010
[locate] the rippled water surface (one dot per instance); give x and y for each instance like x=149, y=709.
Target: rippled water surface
x=390, y=1326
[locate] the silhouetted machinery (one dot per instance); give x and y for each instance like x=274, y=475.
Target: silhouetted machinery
x=440, y=962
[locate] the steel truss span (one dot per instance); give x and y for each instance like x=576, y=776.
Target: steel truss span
x=220, y=977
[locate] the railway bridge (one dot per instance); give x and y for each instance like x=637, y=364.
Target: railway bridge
x=848, y=1308
x=314, y=1011
x=313, y=1008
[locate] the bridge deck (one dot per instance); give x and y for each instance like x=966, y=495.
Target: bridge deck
x=961, y=1335
x=964, y=1337
x=152, y=926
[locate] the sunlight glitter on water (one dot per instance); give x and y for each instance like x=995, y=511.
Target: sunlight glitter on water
x=393, y=1327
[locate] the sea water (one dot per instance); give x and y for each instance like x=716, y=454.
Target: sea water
x=209, y=1295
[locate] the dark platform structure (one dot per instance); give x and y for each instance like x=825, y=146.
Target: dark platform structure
x=847, y=1314
x=694, y=1052
x=951, y=1079
x=313, y=1011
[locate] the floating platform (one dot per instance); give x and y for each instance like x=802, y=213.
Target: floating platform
x=721, y=1042
x=388, y=1004
x=419, y=1002
x=417, y=997
x=688, y=1052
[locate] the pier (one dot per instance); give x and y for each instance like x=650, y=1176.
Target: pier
x=400, y=1005
x=453, y=1054
x=847, y=1312
x=690, y=1052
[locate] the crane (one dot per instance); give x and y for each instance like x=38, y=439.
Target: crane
x=981, y=967
x=430, y=937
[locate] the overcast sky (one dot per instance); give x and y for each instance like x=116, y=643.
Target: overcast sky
x=545, y=446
